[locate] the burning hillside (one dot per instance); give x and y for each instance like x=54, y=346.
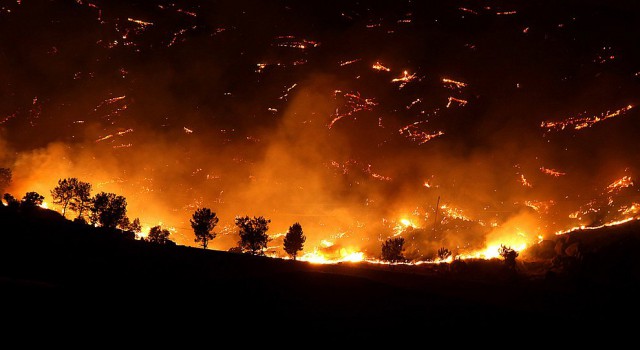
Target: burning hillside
x=458, y=124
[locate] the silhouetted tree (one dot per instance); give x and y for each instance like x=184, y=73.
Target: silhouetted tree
x=108, y=209
x=509, y=255
x=443, y=253
x=135, y=226
x=64, y=192
x=12, y=202
x=158, y=235
x=5, y=178
x=253, y=234
x=294, y=240
x=81, y=201
x=31, y=200
x=124, y=223
x=392, y=249
x=203, y=222
x=71, y=192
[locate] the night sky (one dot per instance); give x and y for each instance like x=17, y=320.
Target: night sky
x=350, y=117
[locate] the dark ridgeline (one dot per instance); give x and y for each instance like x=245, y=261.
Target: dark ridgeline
x=51, y=266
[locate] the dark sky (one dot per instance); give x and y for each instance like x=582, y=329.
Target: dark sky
x=276, y=109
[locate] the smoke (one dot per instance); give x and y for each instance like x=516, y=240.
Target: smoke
x=175, y=116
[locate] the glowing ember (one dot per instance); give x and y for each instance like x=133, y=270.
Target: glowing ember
x=380, y=67
x=524, y=181
x=404, y=79
x=619, y=184
x=580, y=122
x=453, y=83
x=345, y=63
x=459, y=101
x=413, y=132
x=453, y=213
x=584, y=227
x=552, y=172
x=354, y=103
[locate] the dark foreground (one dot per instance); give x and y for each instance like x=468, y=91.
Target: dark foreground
x=56, y=273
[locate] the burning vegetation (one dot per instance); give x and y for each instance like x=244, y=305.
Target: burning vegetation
x=179, y=107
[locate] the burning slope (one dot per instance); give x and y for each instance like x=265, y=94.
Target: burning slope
x=348, y=120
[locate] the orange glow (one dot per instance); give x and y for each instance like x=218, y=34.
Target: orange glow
x=459, y=101
x=404, y=79
x=584, y=227
x=552, y=172
x=580, y=122
x=380, y=67
x=524, y=181
x=451, y=82
x=619, y=184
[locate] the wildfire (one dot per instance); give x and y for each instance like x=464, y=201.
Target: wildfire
x=404, y=79
x=454, y=213
x=540, y=206
x=552, y=172
x=619, y=184
x=380, y=67
x=633, y=209
x=459, y=101
x=354, y=103
x=413, y=132
x=345, y=63
x=492, y=251
x=584, y=227
x=524, y=181
x=580, y=122
x=140, y=22
x=342, y=255
x=453, y=83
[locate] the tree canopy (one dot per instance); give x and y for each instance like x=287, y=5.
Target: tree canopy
x=32, y=200
x=203, y=222
x=72, y=193
x=158, y=235
x=294, y=240
x=108, y=209
x=253, y=234
x=392, y=249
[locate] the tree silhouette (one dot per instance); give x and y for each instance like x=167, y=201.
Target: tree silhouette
x=81, y=200
x=108, y=209
x=31, y=200
x=203, y=222
x=11, y=201
x=392, y=249
x=158, y=235
x=509, y=255
x=294, y=240
x=71, y=193
x=135, y=226
x=5, y=178
x=443, y=253
x=253, y=234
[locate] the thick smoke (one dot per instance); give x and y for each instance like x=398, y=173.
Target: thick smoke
x=179, y=114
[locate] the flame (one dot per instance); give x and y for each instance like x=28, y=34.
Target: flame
x=407, y=223
x=380, y=67
x=460, y=102
x=343, y=255
x=580, y=122
x=552, y=172
x=619, y=184
x=451, y=82
x=584, y=227
x=492, y=251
